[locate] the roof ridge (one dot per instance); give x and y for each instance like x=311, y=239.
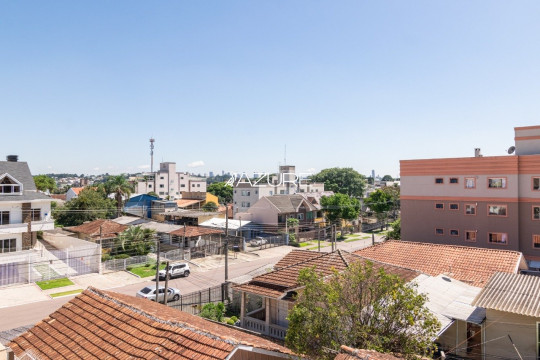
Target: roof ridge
x=339, y=251
x=389, y=264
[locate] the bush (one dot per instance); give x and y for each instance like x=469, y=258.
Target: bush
x=231, y=322
x=105, y=257
x=294, y=243
x=121, y=256
x=213, y=311
x=40, y=235
x=234, y=318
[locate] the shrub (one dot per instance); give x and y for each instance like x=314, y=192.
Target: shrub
x=234, y=318
x=213, y=311
x=294, y=243
x=231, y=322
x=121, y=256
x=105, y=257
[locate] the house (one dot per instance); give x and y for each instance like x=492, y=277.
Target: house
x=512, y=325
x=275, y=291
x=196, y=200
x=73, y=193
x=102, y=324
x=98, y=230
x=482, y=201
x=242, y=228
x=247, y=192
x=168, y=183
x=23, y=210
x=473, y=266
x=195, y=236
x=273, y=211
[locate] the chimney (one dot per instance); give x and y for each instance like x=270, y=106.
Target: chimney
x=12, y=158
x=477, y=152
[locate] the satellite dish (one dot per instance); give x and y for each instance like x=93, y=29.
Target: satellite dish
x=511, y=149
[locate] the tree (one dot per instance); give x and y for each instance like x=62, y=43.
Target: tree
x=121, y=188
x=361, y=308
x=90, y=205
x=342, y=180
x=292, y=224
x=387, y=178
x=223, y=191
x=379, y=202
x=340, y=207
x=210, y=207
x=393, y=192
x=152, y=193
x=45, y=183
x=395, y=233
x=136, y=240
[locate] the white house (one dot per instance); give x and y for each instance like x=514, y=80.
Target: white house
x=23, y=210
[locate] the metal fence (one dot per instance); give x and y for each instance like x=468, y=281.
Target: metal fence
x=193, y=302
x=265, y=242
x=122, y=264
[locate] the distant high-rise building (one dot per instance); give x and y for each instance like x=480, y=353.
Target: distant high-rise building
x=211, y=174
x=373, y=174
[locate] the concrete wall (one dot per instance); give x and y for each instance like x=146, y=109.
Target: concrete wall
x=522, y=329
x=263, y=212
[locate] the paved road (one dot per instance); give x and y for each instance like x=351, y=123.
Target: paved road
x=22, y=315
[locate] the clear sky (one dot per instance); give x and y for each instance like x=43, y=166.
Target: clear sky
x=227, y=84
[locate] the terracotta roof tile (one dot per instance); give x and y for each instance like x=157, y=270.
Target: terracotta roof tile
x=102, y=324
x=195, y=231
x=295, y=257
x=108, y=228
x=472, y=265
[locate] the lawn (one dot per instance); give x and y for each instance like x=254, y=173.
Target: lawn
x=323, y=244
x=56, y=283
x=304, y=244
x=145, y=270
x=66, y=293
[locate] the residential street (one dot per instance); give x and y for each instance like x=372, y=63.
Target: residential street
x=200, y=278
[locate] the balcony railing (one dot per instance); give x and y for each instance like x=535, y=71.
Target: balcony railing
x=260, y=326
x=23, y=227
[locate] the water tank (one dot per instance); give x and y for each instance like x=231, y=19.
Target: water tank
x=12, y=158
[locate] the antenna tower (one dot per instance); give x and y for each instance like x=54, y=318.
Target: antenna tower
x=152, y=154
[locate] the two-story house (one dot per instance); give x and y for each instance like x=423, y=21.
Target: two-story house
x=23, y=210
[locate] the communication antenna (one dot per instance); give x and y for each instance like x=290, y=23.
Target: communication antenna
x=152, y=140
x=511, y=149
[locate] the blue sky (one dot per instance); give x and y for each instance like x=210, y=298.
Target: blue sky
x=227, y=84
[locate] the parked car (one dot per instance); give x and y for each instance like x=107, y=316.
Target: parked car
x=258, y=241
x=180, y=269
x=150, y=293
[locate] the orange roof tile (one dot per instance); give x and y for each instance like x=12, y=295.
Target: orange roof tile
x=277, y=283
x=107, y=228
x=101, y=324
x=472, y=265
x=194, y=231
x=77, y=190
x=295, y=257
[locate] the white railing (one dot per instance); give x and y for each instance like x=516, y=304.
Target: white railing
x=254, y=325
x=42, y=225
x=277, y=331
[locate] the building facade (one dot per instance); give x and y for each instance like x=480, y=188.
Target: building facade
x=167, y=182
x=491, y=202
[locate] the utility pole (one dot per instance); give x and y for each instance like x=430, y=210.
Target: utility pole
x=226, y=247
x=157, y=269
x=165, y=291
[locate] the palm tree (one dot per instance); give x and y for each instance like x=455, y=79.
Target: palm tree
x=120, y=187
x=136, y=240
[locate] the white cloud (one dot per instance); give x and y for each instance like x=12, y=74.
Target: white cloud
x=143, y=167
x=195, y=164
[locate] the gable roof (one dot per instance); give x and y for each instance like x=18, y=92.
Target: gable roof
x=102, y=324
x=289, y=203
x=107, y=228
x=514, y=293
x=76, y=190
x=194, y=231
x=277, y=283
x=20, y=171
x=471, y=265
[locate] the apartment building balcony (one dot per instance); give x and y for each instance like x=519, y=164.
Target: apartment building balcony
x=18, y=228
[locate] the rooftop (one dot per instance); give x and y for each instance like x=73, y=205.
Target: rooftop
x=102, y=324
x=474, y=266
x=105, y=228
x=194, y=231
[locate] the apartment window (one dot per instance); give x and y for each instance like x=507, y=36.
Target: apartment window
x=497, y=210
x=454, y=206
x=192, y=185
x=256, y=191
x=498, y=238
x=248, y=204
x=536, y=183
x=497, y=183
x=470, y=236
x=300, y=216
x=439, y=231
x=150, y=185
x=182, y=185
x=8, y=245
x=454, y=232
x=439, y=181
x=161, y=186
x=536, y=241
x=35, y=214
x=161, y=178
x=198, y=185
x=282, y=192
x=439, y=206
x=454, y=180
x=161, y=193
x=470, y=209
x=536, y=212
x=4, y=217
x=470, y=183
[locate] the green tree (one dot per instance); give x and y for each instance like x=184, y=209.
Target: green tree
x=395, y=233
x=361, y=308
x=393, y=193
x=340, y=207
x=379, y=202
x=292, y=226
x=90, y=205
x=210, y=207
x=342, y=180
x=45, y=183
x=151, y=193
x=223, y=191
x=136, y=240
x=121, y=188
x=387, y=178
